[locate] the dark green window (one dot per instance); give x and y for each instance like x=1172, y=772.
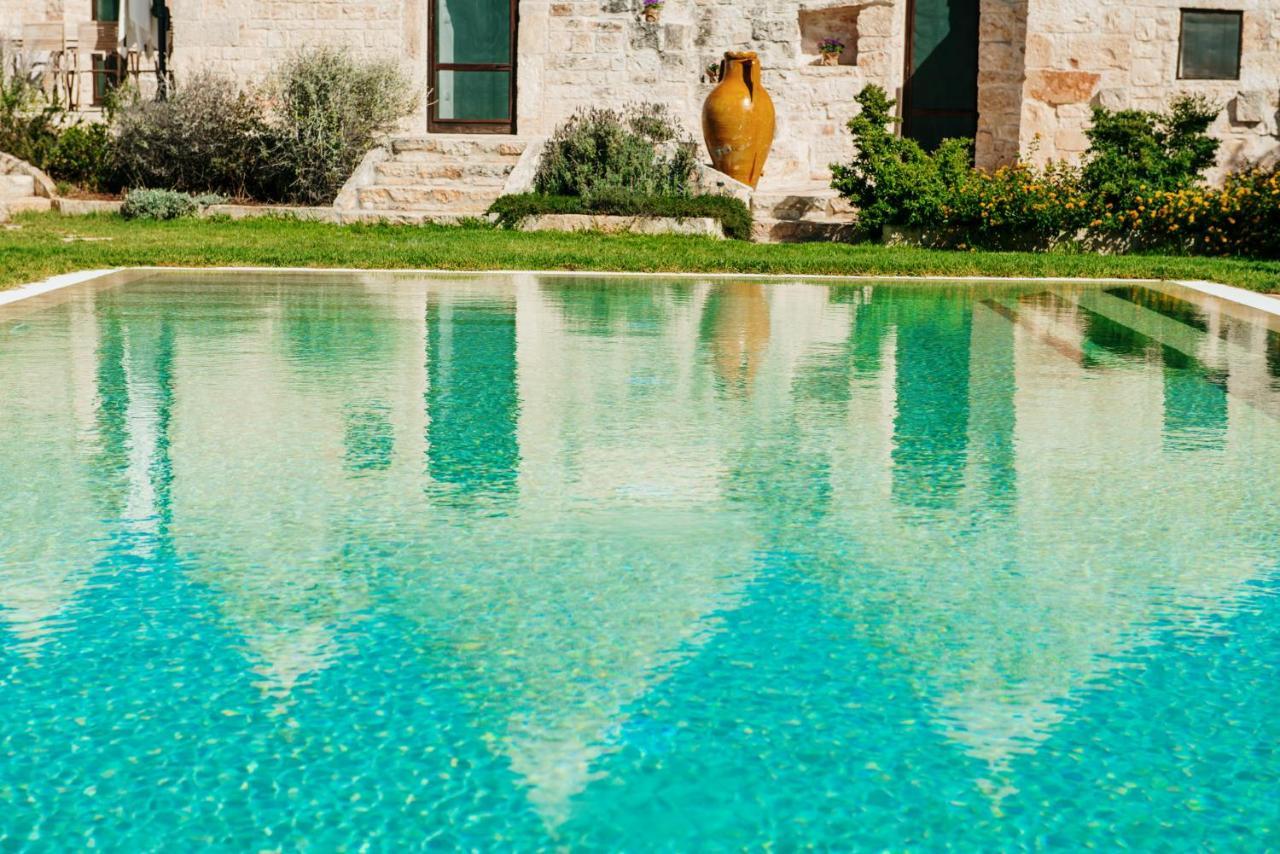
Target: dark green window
x=108, y=72
x=106, y=10
x=1210, y=45
x=941, y=92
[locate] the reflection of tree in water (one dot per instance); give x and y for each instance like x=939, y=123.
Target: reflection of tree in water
x=334, y=329
x=608, y=307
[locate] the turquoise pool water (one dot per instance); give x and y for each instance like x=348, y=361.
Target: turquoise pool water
x=525, y=562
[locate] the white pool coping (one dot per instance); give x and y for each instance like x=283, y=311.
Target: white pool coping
x=51, y=284
x=1240, y=296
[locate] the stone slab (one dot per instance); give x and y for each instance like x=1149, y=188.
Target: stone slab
x=691, y=226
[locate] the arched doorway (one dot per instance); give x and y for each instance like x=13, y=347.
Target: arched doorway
x=473, y=66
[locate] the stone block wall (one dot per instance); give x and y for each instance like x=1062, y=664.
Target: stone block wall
x=1042, y=63
x=580, y=53
x=1124, y=54
x=249, y=38
x=577, y=53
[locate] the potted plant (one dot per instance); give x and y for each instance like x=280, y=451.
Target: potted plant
x=652, y=10
x=712, y=73
x=830, y=49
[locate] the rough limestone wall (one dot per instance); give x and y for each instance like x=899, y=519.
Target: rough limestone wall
x=247, y=39
x=1124, y=54
x=1002, y=41
x=581, y=53
x=16, y=13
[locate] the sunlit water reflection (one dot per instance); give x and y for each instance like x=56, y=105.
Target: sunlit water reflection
x=538, y=561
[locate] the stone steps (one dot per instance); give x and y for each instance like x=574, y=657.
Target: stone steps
x=801, y=214
x=417, y=173
x=422, y=197
x=441, y=177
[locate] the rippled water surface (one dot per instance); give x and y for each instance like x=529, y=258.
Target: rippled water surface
x=554, y=562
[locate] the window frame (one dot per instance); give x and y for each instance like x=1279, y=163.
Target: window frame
x=1238, y=14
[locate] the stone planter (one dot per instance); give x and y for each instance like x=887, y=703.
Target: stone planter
x=829, y=58
x=652, y=14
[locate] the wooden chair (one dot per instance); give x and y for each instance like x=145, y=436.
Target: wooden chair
x=49, y=38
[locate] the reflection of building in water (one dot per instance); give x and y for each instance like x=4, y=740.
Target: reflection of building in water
x=549, y=481
x=1075, y=534
x=297, y=442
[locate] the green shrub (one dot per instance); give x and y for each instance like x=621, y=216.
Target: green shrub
x=1140, y=187
x=892, y=180
x=732, y=213
x=164, y=204
x=329, y=110
x=1134, y=153
x=85, y=155
x=208, y=136
x=640, y=150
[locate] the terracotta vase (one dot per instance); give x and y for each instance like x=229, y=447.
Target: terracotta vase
x=653, y=14
x=831, y=58
x=738, y=119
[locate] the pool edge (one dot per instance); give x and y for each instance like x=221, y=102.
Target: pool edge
x=1230, y=293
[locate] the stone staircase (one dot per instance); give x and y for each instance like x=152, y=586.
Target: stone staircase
x=18, y=195
x=439, y=178
x=814, y=213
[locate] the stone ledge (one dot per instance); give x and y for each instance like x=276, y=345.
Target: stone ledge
x=690, y=226
x=86, y=207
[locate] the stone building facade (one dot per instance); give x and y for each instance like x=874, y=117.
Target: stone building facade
x=1033, y=68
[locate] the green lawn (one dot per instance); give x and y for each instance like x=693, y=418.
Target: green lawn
x=37, y=246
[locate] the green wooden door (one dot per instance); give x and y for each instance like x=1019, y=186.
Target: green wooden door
x=941, y=94
x=473, y=66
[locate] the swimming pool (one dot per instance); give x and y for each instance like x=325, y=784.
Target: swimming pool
x=537, y=561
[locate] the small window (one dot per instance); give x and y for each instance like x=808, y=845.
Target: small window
x=1210, y=45
x=106, y=10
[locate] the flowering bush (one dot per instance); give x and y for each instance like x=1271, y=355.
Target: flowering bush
x=1140, y=187
x=1018, y=207
x=1134, y=152
x=1240, y=218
